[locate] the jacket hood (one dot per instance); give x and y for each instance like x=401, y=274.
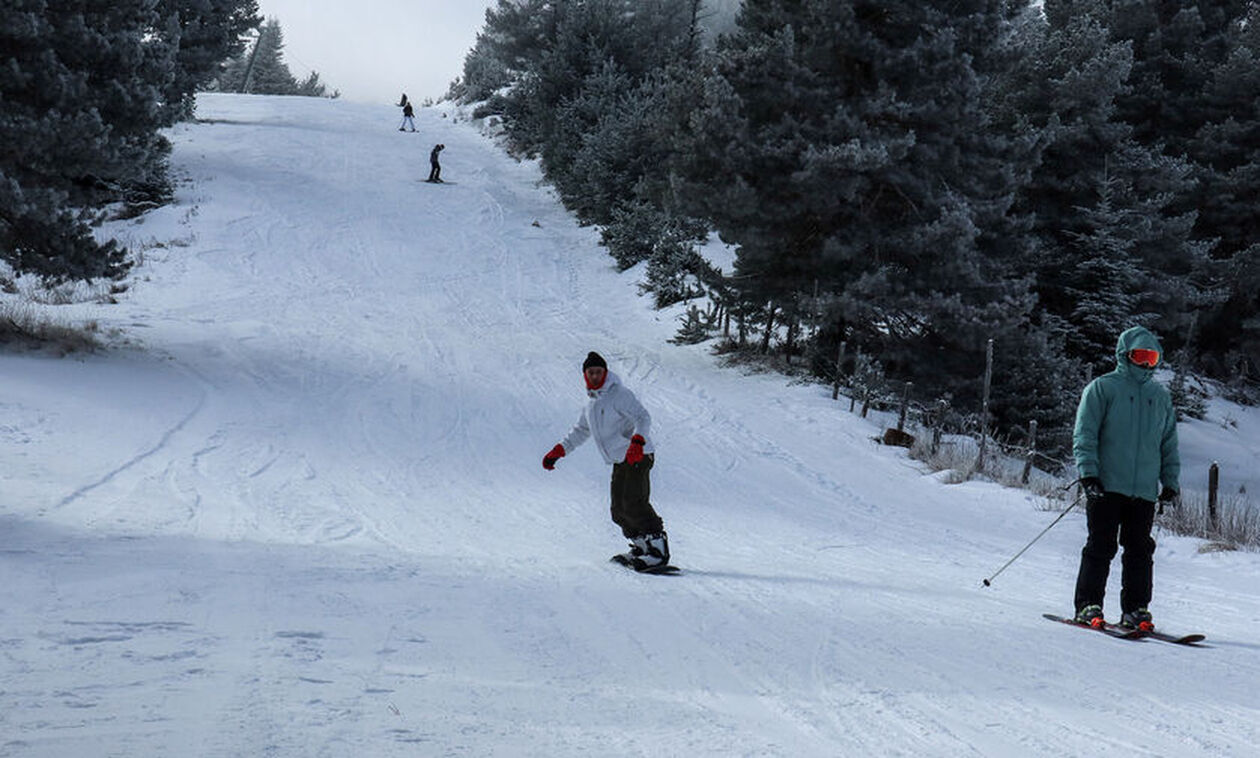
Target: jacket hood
x=1131, y=338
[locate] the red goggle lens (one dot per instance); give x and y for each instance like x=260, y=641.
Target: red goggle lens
x=1144, y=357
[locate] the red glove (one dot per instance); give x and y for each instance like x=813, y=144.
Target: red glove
x=634, y=453
x=549, y=460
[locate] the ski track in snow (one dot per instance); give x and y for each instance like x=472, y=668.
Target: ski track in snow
x=307, y=518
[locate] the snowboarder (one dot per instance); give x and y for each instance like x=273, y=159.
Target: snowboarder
x=622, y=430
x=407, y=120
x=1125, y=445
x=435, y=170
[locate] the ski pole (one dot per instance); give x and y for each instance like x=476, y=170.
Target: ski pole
x=988, y=581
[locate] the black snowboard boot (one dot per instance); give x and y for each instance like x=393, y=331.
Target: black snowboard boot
x=654, y=550
x=628, y=558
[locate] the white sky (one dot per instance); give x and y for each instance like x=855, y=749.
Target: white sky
x=374, y=50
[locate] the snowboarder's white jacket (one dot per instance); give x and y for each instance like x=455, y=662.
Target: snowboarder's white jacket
x=612, y=417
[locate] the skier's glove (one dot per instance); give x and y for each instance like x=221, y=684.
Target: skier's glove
x=1168, y=495
x=549, y=460
x=634, y=453
x=1093, y=487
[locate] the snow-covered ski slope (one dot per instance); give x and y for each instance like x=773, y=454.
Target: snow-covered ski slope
x=305, y=514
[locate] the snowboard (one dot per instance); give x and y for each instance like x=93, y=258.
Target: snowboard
x=664, y=570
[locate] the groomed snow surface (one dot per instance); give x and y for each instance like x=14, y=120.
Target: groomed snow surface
x=303, y=514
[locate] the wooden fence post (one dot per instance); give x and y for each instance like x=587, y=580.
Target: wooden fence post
x=1032, y=451
x=905, y=401
x=938, y=423
x=853, y=398
x=835, y=388
x=1214, y=481
x=984, y=406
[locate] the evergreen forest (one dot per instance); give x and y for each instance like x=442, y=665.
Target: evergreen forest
x=911, y=180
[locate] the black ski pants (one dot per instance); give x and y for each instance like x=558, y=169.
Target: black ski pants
x=1130, y=519
x=631, y=505
x=435, y=172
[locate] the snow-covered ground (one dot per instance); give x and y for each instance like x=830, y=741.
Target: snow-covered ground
x=305, y=514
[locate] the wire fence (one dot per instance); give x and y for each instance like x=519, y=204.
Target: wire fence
x=963, y=441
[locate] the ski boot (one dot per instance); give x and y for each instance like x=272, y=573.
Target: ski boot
x=1139, y=619
x=1090, y=615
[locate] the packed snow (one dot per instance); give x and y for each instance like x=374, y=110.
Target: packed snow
x=298, y=508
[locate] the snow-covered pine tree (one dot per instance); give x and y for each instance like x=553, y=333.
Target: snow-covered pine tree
x=515, y=36
x=311, y=86
x=82, y=90
x=1177, y=46
x=207, y=32
x=1227, y=148
x=848, y=144
x=1066, y=92
x=267, y=73
x=1185, y=99
x=1108, y=279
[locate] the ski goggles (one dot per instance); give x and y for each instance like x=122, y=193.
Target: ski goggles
x=1144, y=357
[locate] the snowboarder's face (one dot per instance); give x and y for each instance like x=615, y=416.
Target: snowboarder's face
x=595, y=376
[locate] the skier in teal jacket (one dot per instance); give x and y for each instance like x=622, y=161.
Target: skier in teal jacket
x=1125, y=445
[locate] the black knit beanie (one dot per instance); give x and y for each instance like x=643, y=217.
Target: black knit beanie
x=594, y=359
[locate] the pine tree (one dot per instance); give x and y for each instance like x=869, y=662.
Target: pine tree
x=1227, y=145
x=1109, y=281
x=311, y=86
x=261, y=69
x=847, y=144
x=1177, y=44
x=267, y=73
x=1066, y=92
x=509, y=45
x=1192, y=96
x=207, y=32
x=82, y=90
x=1227, y=148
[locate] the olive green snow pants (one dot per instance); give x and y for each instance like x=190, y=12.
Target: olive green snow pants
x=631, y=507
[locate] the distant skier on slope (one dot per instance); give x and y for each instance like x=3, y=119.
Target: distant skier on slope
x=621, y=428
x=435, y=169
x=407, y=120
x=1125, y=445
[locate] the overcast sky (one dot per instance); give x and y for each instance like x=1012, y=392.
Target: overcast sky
x=374, y=50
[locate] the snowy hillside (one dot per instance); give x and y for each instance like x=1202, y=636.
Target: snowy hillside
x=305, y=515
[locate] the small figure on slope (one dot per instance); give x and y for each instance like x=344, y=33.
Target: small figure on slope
x=435, y=168
x=1125, y=445
x=621, y=428
x=408, y=118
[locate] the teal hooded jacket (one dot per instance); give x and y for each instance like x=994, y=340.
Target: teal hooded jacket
x=1126, y=429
